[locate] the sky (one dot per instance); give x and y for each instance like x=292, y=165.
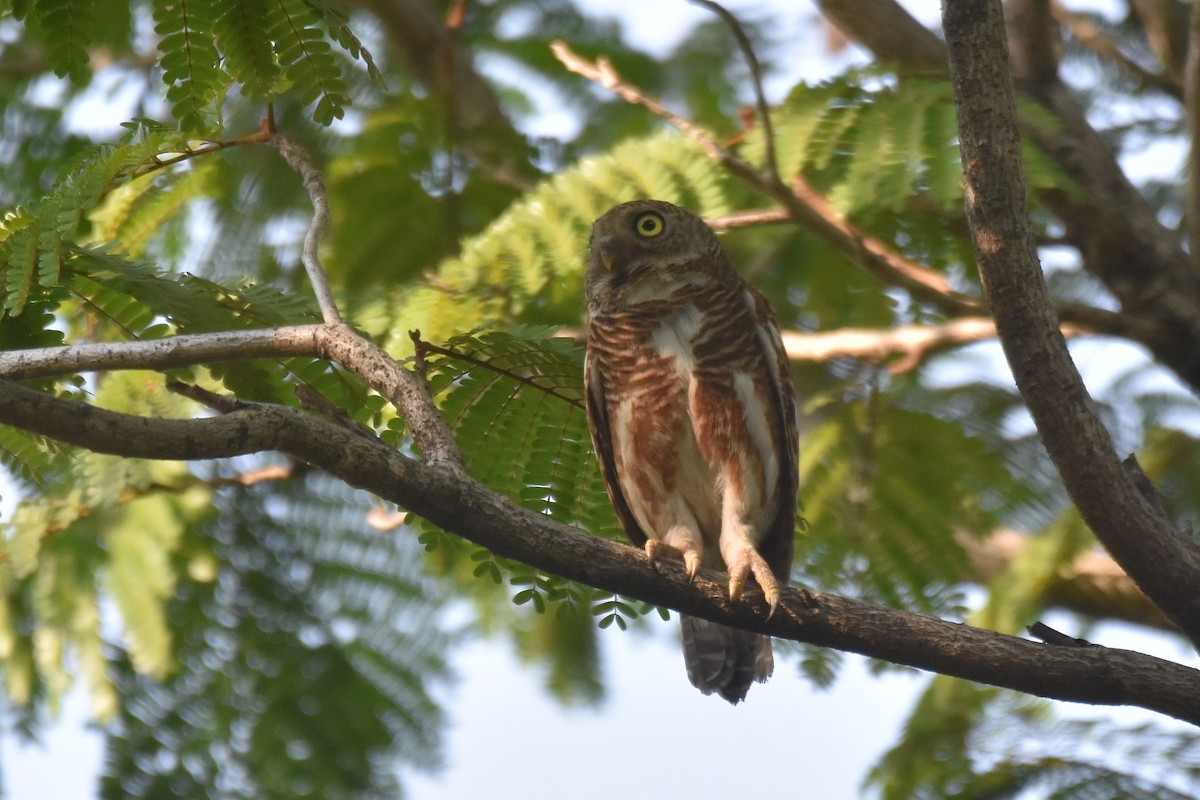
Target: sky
x=655, y=735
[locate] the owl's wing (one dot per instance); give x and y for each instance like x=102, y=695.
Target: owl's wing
x=597, y=411
x=777, y=546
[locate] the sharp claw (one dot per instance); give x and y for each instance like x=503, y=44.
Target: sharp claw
x=735, y=588
x=657, y=551
x=652, y=553
x=774, y=607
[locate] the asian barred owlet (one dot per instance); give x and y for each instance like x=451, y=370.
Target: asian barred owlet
x=693, y=418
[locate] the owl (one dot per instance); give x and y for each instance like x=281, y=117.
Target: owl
x=692, y=416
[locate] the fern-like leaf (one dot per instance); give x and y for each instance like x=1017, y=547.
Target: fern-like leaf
x=337, y=22
x=306, y=58
x=189, y=59
x=68, y=27
x=249, y=56
x=516, y=396
x=38, y=238
x=874, y=146
x=529, y=261
x=28, y=457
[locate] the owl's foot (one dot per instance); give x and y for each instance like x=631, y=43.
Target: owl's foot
x=747, y=562
x=657, y=551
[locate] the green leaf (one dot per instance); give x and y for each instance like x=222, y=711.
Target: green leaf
x=306, y=58
x=190, y=63
x=249, y=55
x=68, y=28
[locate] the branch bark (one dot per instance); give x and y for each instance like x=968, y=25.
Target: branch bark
x=1112, y=499
x=444, y=496
x=1115, y=229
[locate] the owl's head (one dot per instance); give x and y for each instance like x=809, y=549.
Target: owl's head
x=646, y=248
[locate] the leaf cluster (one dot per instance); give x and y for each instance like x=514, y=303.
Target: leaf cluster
x=266, y=47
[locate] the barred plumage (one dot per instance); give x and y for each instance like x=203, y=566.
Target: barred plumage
x=692, y=416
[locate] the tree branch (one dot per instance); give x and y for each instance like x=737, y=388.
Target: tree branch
x=159, y=354
x=301, y=162
x=1117, y=232
x=802, y=204
x=760, y=97
x=1033, y=40
x=890, y=32
x=1094, y=39
x=1092, y=675
x=1130, y=523
x=912, y=343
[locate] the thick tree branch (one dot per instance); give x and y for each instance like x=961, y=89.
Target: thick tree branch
x=890, y=32
x=1091, y=675
x=1130, y=523
x=1093, y=585
x=1165, y=24
x=1117, y=232
x=1033, y=40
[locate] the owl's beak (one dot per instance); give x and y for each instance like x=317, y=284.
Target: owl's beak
x=603, y=245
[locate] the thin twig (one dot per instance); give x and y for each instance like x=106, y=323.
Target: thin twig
x=601, y=71
x=1094, y=39
x=299, y=160
x=803, y=205
x=748, y=219
x=204, y=147
x=760, y=97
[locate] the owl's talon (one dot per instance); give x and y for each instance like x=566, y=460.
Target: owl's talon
x=657, y=551
x=750, y=563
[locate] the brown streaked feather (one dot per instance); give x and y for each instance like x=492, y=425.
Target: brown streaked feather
x=780, y=540
x=597, y=408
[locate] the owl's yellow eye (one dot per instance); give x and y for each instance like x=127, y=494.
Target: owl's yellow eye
x=649, y=224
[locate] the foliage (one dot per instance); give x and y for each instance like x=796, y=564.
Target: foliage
x=267, y=47
x=326, y=623
x=260, y=640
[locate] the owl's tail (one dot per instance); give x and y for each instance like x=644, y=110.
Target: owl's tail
x=724, y=660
